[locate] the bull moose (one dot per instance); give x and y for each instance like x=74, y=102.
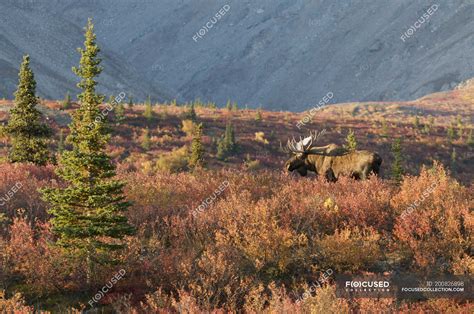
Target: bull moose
x=331, y=160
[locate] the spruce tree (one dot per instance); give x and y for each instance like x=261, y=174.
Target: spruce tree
x=397, y=165
x=450, y=133
x=29, y=136
x=67, y=101
x=384, y=128
x=130, y=102
x=453, y=159
x=222, y=150
x=148, y=112
x=258, y=116
x=228, y=105
x=226, y=145
x=88, y=213
x=119, y=113
x=197, y=149
x=230, y=137
x=146, y=142
x=351, y=141
x=416, y=123
x=460, y=127
x=191, y=113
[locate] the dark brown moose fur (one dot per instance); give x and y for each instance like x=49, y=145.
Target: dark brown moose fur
x=333, y=161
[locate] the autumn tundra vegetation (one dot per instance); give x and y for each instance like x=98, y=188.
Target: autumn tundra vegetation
x=99, y=202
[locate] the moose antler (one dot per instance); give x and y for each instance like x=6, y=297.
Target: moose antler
x=304, y=145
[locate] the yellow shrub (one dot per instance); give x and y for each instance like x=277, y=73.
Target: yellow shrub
x=260, y=137
x=16, y=304
x=188, y=127
x=349, y=249
x=175, y=161
x=325, y=301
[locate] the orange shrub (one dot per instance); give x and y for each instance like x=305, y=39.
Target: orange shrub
x=266, y=233
x=15, y=304
x=435, y=225
x=43, y=267
x=350, y=250
x=27, y=179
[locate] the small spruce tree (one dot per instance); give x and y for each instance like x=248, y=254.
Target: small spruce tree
x=130, y=102
x=88, y=213
x=258, y=116
x=119, y=113
x=460, y=127
x=351, y=141
x=227, y=144
x=146, y=142
x=148, y=112
x=228, y=106
x=384, y=128
x=191, y=113
x=397, y=165
x=453, y=159
x=416, y=123
x=197, y=149
x=450, y=133
x=29, y=135
x=230, y=137
x=67, y=101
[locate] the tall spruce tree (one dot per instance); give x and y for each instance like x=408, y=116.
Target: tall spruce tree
x=88, y=214
x=29, y=136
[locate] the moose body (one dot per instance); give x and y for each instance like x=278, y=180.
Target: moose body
x=331, y=161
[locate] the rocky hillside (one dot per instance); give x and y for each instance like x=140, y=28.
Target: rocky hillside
x=280, y=54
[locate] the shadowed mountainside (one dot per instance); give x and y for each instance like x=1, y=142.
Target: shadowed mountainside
x=276, y=53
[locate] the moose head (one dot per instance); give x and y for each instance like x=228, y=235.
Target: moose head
x=300, y=151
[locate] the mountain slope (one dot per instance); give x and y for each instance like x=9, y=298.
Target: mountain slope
x=51, y=42
x=284, y=54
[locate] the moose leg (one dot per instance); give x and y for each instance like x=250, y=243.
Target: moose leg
x=330, y=176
